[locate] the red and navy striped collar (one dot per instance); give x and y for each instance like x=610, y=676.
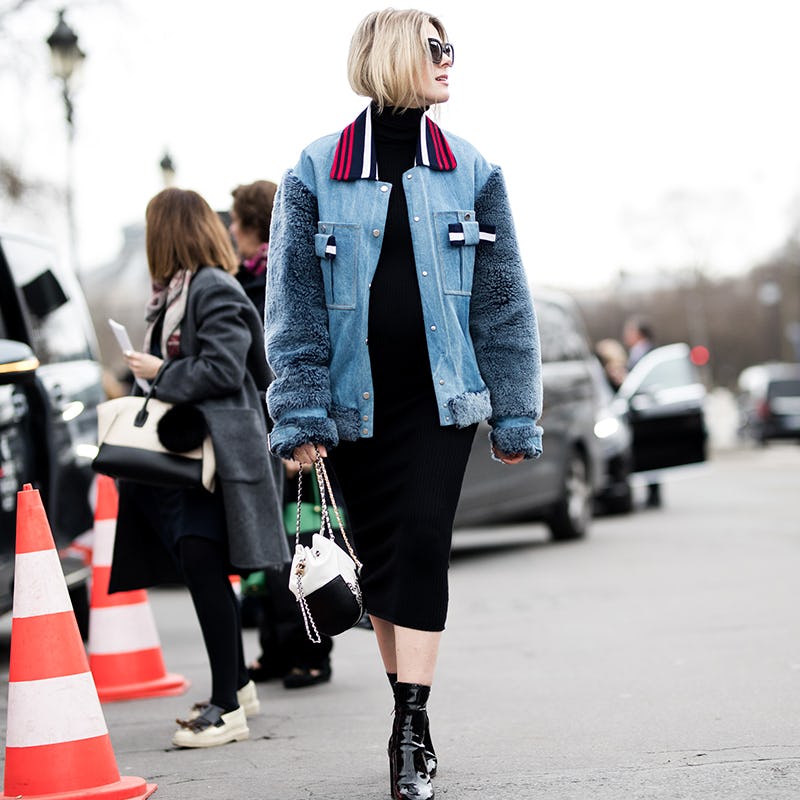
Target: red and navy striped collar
x=355, y=153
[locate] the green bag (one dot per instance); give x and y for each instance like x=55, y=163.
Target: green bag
x=254, y=584
x=310, y=514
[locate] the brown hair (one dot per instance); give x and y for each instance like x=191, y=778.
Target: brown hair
x=183, y=232
x=252, y=204
x=388, y=54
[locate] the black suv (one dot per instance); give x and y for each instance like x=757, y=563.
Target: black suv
x=51, y=381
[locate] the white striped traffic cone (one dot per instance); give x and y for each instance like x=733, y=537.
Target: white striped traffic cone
x=124, y=647
x=57, y=743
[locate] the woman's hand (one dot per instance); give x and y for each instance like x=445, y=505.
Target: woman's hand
x=307, y=453
x=508, y=458
x=143, y=365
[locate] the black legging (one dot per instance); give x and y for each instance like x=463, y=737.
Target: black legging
x=204, y=568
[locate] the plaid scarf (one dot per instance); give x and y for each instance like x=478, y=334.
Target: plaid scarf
x=257, y=265
x=171, y=300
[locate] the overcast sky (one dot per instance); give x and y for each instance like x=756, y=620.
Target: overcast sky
x=634, y=134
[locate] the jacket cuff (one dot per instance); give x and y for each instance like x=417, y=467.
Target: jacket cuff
x=292, y=432
x=525, y=438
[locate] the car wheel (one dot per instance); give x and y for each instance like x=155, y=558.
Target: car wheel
x=570, y=516
x=79, y=596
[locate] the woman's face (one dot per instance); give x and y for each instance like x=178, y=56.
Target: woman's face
x=435, y=82
x=246, y=240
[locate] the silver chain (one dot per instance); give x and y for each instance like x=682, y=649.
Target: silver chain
x=325, y=492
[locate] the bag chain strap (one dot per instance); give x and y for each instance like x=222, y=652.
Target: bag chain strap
x=325, y=491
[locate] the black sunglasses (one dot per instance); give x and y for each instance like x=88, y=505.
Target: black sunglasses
x=439, y=50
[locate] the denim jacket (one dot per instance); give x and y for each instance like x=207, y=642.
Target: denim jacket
x=326, y=235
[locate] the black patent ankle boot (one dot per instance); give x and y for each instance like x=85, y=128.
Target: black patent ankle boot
x=410, y=779
x=431, y=759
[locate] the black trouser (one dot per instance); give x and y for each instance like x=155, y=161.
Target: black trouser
x=204, y=564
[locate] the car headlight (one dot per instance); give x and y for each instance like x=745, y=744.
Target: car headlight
x=86, y=451
x=605, y=427
x=72, y=410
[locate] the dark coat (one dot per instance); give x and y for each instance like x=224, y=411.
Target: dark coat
x=222, y=369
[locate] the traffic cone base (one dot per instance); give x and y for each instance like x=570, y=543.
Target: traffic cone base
x=126, y=788
x=57, y=742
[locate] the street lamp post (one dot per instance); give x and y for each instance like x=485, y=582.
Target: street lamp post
x=66, y=58
x=167, y=170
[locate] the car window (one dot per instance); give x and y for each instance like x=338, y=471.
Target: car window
x=560, y=334
x=784, y=388
x=668, y=375
x=57, y=326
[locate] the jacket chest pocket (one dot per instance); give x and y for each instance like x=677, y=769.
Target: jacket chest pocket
x=336, y=247
x=457, y=235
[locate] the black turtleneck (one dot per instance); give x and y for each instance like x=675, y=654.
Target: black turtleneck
x=398, y=350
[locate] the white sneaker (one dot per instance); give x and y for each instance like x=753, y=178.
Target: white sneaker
x=212, y=728
x=247, y=697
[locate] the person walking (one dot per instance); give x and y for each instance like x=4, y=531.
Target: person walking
x=637, y=334
x=286, y=651
x=204, y=346
x=398, y=317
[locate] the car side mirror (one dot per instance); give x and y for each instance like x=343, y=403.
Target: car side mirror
x=18, y=364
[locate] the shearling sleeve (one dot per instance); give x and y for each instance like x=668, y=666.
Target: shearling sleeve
x=503, y=328
x=296, y=325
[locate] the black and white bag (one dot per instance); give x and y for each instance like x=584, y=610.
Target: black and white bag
x=146, y=440
x=324, y=577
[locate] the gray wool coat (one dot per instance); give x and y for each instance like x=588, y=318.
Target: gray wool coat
x=222, y=369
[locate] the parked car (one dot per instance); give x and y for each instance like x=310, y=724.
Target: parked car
x=596, y=441
x=769, y=402
x=663, y=399
x=51, y=382
x=559, y=487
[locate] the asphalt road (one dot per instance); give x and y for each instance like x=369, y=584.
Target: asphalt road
x=658, y=659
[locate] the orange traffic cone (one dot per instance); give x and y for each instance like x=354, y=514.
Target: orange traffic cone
x=124, y=648
x=57, y=743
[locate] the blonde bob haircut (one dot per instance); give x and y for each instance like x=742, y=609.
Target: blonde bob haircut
x=183, y=232
x=389, y=56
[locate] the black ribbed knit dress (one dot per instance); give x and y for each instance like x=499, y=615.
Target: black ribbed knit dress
x=401, y=486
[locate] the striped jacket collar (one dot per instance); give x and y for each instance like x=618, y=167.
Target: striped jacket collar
x=355, y=152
